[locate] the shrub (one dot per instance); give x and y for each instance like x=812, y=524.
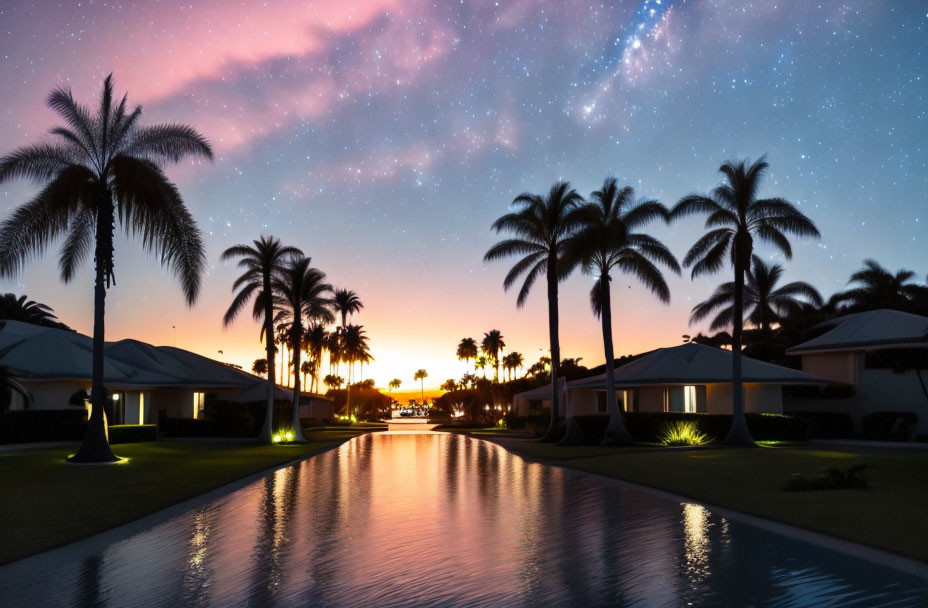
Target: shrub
x=683, y=433
x=132, y=433
x=889, y=426
x=43, y=425
x=832, y=479
x=648, y=426
x=827, y=425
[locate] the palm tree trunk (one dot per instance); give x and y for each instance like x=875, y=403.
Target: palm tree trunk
x=96, y=447
x=267, y=429
x=296, y=349
x=739, y=433
x=551, y=434
x=616, y=433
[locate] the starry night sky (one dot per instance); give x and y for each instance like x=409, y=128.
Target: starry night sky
x=384, y=137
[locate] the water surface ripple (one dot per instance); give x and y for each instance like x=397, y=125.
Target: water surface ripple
x=432, y=519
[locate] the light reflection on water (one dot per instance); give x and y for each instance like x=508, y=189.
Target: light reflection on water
x=434, y=519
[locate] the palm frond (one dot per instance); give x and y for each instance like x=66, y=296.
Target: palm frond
x=170, y=142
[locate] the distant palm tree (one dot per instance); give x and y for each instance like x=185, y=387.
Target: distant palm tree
x=421, y=375
x=355, y=349
x=316, y=339
x=346, y=303
x=395, y=384
x=27, y=311
x=876, y=287
x=492, y=346
x=607, y=241
x=259, y=367
x=332, y=381
x=480, y=362
x=764, y=303
x=541, y=226
x=736, y=216
x=100, y=170
x=259, y=263
x=300, y=292
x=467, y=349
x=449, y=385
x=334, y=346
x=512, y=362
x=306, y=368
x=282, y=340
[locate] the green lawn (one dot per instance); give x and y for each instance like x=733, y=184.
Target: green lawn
x=889, y=515
x=46, y=503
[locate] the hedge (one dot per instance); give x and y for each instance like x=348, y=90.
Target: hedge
x=827, y=425
x=132, y=433
x=648, y=426
x=23, y=426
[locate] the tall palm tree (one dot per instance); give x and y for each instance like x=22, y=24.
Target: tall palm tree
x=355, y=349
x=346, y=303
x=421, y=375
x=876, y=287
x=764, y=303
x=480, y=362
x=492, y=346
x=332, y=381
x=608, y=241
x=282, y=340
x=467, y=349
x=395, y=384
x=101, y=169
x=27, y=311
x=735, y=217
x=540, y=226
x=300, y=292
x=316, y=339
x=259, y=262
x=512, y=362
x=306, y=368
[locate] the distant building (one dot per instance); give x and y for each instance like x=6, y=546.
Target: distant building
x=883, y=354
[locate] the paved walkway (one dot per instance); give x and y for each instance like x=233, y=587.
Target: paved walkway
x=862, y=443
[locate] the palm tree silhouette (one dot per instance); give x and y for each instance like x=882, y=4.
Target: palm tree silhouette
x=259, y=263
x=259, y=367
x=764, y=303
x=876, y=287
x=480, y=362
x=99, y=170
x=316, y=339
x=300, y=291
x=606, y=242
x=492, y=346
x=346, y=303
x=355, y=349
x=421, y=374
x=541, y=226
x=736, y=216
x=512, y=362
x=467, y=349
x=28, y=311
x=395, y=384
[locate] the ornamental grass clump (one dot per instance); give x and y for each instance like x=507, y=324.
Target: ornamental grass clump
x=682, y=433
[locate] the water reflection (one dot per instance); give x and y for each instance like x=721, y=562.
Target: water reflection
x=435, y=519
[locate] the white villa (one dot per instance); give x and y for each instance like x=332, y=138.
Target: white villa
x=849, y=353
x=143, y=380
x=686, y=378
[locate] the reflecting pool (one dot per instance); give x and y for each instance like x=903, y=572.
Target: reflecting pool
x=433, y=519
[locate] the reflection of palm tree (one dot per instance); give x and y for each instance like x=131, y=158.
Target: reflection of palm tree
x=300, y=291
x=259, y=262
x=764, y=303
x=492, y=346
x=101, y=170
x=541, y=226
x=467, y=349
x=876, y=287
x=421, y=374
x=607, y=242
x=736, y=216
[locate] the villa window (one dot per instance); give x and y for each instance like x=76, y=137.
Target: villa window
x=689, y=399
x=199, y=400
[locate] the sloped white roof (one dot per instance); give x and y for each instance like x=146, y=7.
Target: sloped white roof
x=870, y=330
x=46, y=353
x=694, y=364
x=542, y=392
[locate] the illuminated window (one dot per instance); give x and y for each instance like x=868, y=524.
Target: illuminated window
x=198, y=401
x=689, y=399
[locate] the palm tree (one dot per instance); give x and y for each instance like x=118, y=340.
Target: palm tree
x=492, y=346
x=467, y=349
x=512, y=362
x=259, y=263
x=480, y=362
x=607, y=242
x=100, y=170
x=332, y=381
x=421, y=374
x=306, y=368
x=736, y=216
x=346, y=303
x=764, y=304
x=876, y=287
x=395, y=384
x=259, y=367
x=355, y=349
x=316, y=339
x=300, y=292
x=541, y=226
x=27, y=311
